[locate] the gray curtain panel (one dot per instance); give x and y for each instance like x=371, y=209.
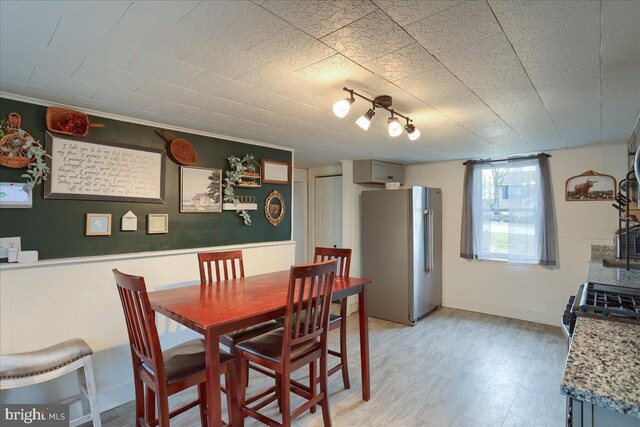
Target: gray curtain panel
x=548, y=250
x=467, y=241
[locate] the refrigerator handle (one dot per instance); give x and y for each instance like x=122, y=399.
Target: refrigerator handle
x=427, y=232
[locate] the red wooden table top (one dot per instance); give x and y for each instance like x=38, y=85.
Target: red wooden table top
x=231, y=304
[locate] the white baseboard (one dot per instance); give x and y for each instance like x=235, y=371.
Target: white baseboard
x=553, y=319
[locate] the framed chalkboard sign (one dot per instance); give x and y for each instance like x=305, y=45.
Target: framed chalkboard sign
x=86, y=169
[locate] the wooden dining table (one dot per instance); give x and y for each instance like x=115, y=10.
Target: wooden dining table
x=217, y=309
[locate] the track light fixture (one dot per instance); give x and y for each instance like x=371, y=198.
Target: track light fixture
x=341, y=109
x=365, y=120
x=412, y=132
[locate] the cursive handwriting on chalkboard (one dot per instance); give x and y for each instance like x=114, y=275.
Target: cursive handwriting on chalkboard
x=85, y=168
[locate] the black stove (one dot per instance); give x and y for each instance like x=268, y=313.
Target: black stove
x=600, y=301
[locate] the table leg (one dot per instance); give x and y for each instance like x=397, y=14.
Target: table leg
x=363, y=316
x=214, y=410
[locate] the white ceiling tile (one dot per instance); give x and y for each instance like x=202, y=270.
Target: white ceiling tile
x=261, y=98
x=457, y=26
x=12, y=72
x=292, y=49
x=127, y=99
x=58, y=82
x=175, y=10
x=163, y=68
x=405, y=12
x=172, y=110
x=224, y=59
x=402, y=63
x=81, y=102
x=368, y=38
x=620, y=69
x=239, y=23
x=166, y=92
x=140, y=24
x=558, y=44
x=39, y=56
x=134, y=113
x=95, y=46
x=37, y=27
x=115, y=78
x=96, y=15
x=30, y=91
x=272, y=78
x=313, y=94
x=215, y=84
x=320, y=18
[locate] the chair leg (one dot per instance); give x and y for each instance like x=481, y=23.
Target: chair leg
x=92, y=393
x=313, y=379
x=324, y=403
x=279, y=390
x=151, y=405
x=343, y=345
x=241, y=373
x=163, y=407
x=285, y=388
x=202, y=403
x=229, y=384
x=139, y=390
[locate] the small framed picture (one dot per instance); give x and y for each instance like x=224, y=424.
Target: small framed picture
x=157, y=223
x=590, y=186
x=98, y=224
x=200, y=190
x=275, y=172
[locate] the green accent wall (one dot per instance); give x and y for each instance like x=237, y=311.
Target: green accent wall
x=56, y=228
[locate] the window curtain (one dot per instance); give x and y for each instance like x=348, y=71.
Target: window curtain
x=508, y=211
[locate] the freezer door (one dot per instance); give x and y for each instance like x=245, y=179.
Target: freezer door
x=385, y=243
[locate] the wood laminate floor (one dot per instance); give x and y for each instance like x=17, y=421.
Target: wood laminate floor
x=455, y=368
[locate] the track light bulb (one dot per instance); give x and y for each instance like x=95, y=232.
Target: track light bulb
x=365, y=120
x=395, y=128
x=412, y=132
x=341, y=107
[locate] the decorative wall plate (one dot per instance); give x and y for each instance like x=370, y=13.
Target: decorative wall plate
x=274, y=208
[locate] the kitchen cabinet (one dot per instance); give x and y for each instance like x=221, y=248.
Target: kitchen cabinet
x=377, y=172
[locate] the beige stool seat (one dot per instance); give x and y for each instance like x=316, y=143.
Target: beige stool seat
x=33, y=367
x=48, y=359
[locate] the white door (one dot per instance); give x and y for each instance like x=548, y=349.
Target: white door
x=328, y=231
x=300, y=221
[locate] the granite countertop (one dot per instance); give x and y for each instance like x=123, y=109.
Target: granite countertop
x=603, y=365
x=612, y=276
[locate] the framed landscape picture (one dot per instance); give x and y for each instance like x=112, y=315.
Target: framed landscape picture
x=200, y=190
x=590, y=186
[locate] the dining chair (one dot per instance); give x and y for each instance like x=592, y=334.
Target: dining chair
x=343, y=256
x=301, y=341
x=229, y=265
x=163, y=374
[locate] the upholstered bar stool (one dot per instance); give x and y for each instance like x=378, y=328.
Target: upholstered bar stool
x=23, y=369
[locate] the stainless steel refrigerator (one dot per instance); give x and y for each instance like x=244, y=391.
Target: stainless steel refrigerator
x=401, y=238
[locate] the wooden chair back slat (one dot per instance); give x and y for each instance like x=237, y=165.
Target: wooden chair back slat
x=140, y=321
x=341, y=254
x=223, y=262
x=308, y=303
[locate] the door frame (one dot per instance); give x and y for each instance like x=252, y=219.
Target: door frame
x=311, y=206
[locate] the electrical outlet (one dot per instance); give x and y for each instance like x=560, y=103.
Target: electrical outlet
x=7, y=243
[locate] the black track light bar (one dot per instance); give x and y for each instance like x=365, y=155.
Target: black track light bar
x=378, y=103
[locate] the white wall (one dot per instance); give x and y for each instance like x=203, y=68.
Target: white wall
x=52, y=301
x=525, y=292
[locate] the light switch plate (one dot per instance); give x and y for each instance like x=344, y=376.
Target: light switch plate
x=7, y=243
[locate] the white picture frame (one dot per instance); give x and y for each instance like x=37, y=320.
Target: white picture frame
x=200, y=190
x=157, y=223
x=98, y=224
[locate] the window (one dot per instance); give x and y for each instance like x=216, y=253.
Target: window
x=506, y=214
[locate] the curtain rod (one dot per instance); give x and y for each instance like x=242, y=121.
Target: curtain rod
x=506, y=159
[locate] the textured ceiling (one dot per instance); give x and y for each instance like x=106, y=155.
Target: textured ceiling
x=479, y=78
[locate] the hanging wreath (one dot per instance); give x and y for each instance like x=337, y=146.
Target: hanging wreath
x=233, y=177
